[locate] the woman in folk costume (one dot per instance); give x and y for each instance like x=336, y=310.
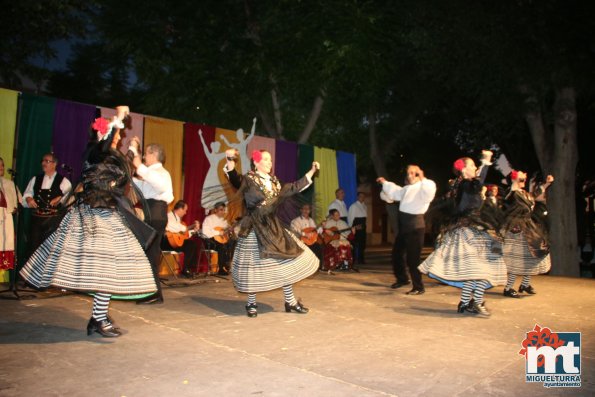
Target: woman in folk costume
x=526, y=247
x=469, y=252
x=8, y=206
x=267, y=254
x=95, y=249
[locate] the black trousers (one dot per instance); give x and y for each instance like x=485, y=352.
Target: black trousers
x=359, y=242
x=158, y=221
x=224, y=253
x=188, y=248
x=41, y=228
x=407, y=250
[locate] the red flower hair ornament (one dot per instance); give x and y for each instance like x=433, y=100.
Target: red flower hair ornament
x=256, y=156
x=459, y=165
x=100, y=125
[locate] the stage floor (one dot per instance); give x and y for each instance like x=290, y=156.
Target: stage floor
x=361, y=338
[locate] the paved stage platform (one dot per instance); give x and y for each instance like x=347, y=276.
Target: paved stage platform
x=361, y=338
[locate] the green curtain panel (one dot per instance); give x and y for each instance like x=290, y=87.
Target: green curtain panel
x=305, y=159
x=34, y=139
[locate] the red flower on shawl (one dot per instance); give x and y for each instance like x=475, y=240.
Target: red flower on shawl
x=256, y=156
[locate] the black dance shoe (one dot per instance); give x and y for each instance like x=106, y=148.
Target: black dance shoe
x=481, y=309
x=416, y=292
x=462, y=308
x=528, y=289
x=298, y=308
x=511, y=293
x=400, y=284
x=103, y=328
x=113, y=323
x=251, y=310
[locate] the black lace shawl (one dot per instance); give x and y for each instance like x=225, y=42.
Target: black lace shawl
x=261, y=204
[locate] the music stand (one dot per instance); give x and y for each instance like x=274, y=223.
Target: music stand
x=13, y=274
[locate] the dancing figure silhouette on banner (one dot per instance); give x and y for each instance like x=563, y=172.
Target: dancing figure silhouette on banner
x=212, y=190
x=242, y=146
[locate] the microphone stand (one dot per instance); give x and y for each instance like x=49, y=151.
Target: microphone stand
x=13, y=274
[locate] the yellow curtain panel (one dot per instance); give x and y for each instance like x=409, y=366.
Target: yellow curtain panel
x=170, y=134
x=326, y=182
x=8, y=120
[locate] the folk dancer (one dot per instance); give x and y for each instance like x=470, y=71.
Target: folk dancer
x=95, y=249
x=468, y=251
x=415, y=198
x=155, y=184
x=267, y=255
x=526, y=247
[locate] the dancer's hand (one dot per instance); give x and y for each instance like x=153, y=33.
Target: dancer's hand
x=122, y=112
x=380, y=180
x=549, y=179
x=315, y=166
x=487, y=155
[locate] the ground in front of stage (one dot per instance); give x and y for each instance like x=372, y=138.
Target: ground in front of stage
x=361, y=338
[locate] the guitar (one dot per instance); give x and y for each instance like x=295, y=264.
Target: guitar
x=310, y=235
x=336, y=233
x=176, y=240
x=224, y=237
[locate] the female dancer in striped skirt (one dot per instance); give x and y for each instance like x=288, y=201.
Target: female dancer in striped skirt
x=469, y=251
x=94, y=248
x=526, y=248
x=267, y=255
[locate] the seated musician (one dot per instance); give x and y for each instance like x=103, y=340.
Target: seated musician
x=177, y=236
x=337, y=248
x=306, y=228
x=218, y=231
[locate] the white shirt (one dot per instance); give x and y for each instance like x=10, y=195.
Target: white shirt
x=210, y=223
x=156, y=183
x=415, y=199
x=340, y=225
x=300, y=223
x=357, y=210
x=65, y=187
x=338, y=205
x=174, y=224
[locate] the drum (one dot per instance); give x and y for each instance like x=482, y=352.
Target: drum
x=214, y=261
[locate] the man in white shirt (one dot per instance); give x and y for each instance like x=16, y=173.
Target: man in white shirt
x=216, y=228
x=339, y=204
x=155, y=184
x=178, y=236
x=415, y=199
x=44, y=195
x=306, y=228
x=357, y=215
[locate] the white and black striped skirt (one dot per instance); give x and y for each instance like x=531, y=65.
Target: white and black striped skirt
x=518, y=258
x=92, y=250
x=466, y=253
x=251, y=273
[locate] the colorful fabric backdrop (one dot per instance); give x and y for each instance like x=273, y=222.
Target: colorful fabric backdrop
x=195, y=160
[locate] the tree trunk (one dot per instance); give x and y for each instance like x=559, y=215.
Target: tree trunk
x=376, y=154
x=276, y=107
x=314, y=114
x=561, y=198
x=559, y=159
